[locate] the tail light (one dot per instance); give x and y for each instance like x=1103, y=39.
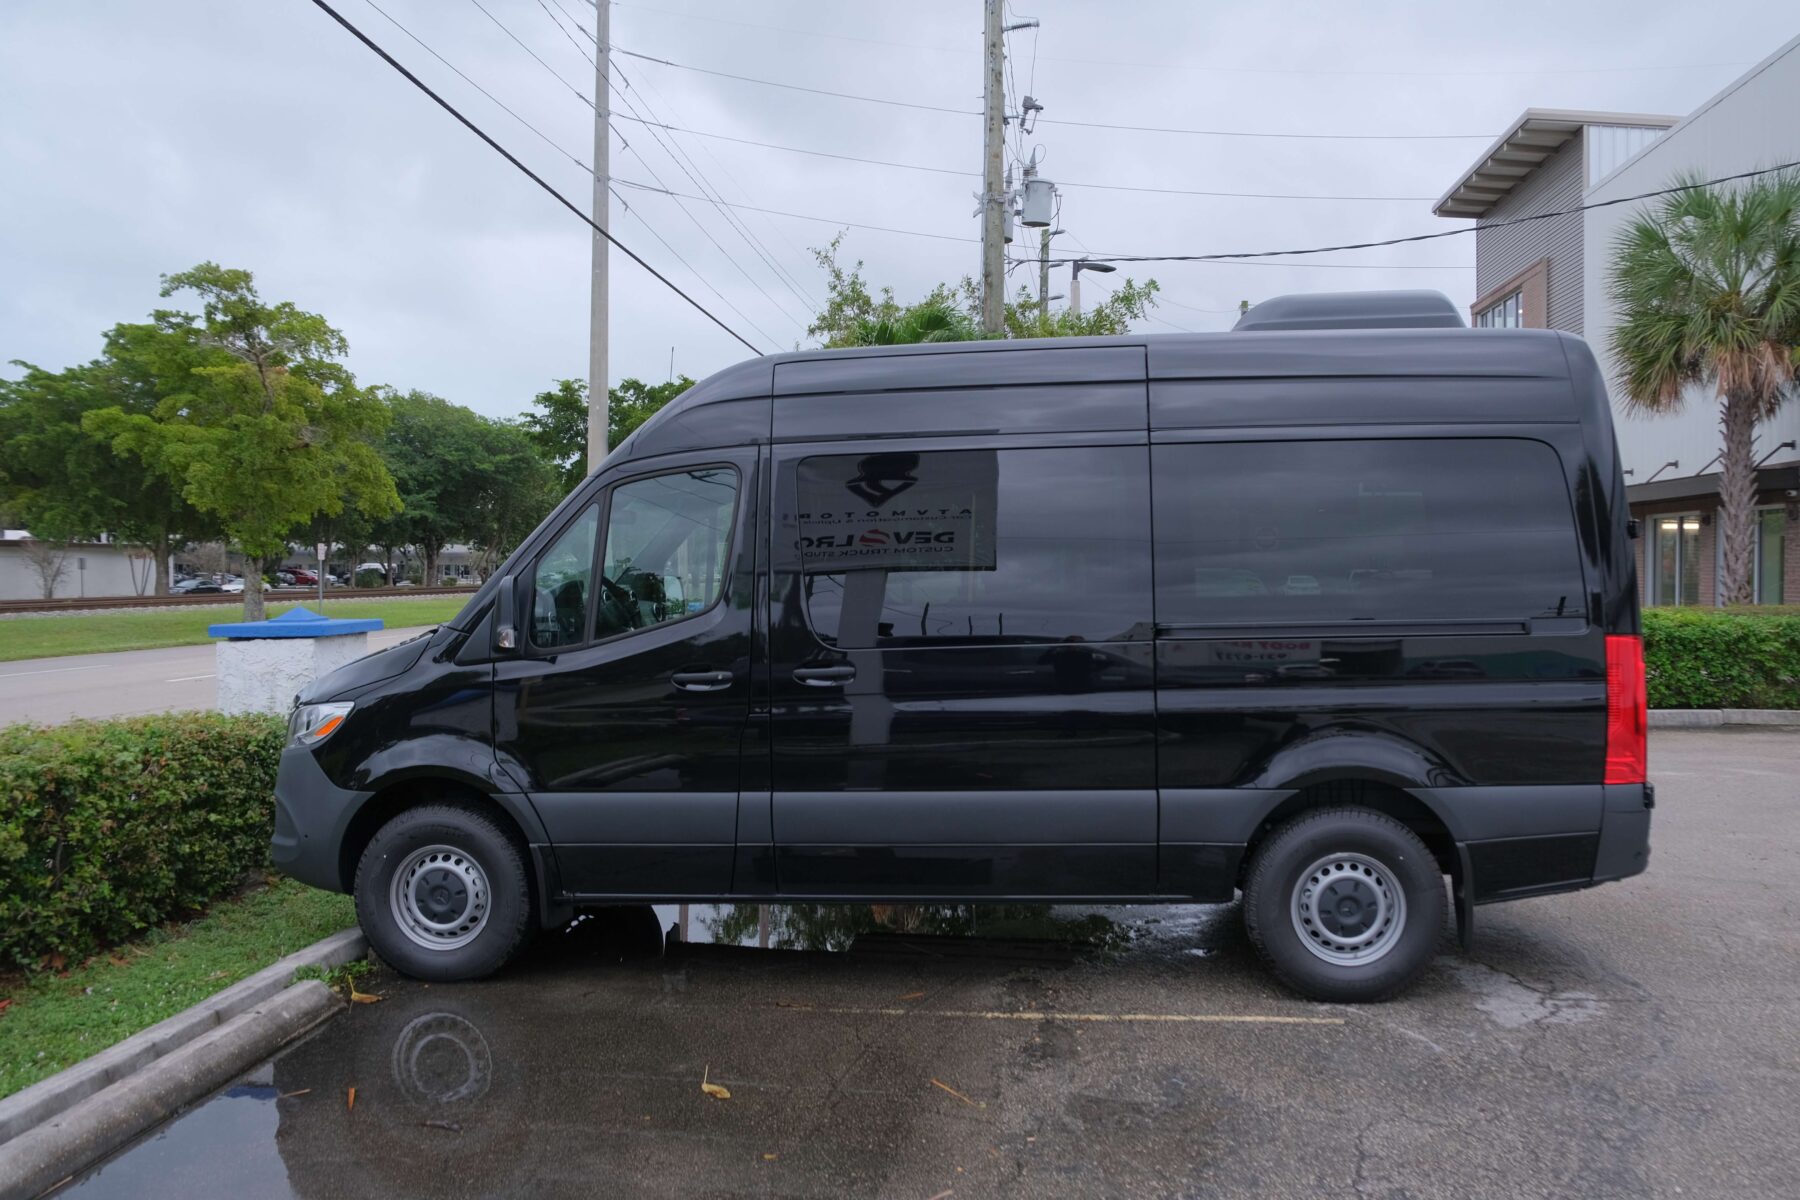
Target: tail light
x=1627, y=714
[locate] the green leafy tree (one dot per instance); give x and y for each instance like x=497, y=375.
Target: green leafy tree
x=266, y=430
x=633, y=402
x=522, y=486
x=1114, y=313
x=559, y=426
x=1707, y=288
x=436, y=452
x=559, y=429
x=66, y=482
x=855, y=315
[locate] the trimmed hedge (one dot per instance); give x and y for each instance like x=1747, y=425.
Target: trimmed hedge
x=1722, y=658
x=109, y=827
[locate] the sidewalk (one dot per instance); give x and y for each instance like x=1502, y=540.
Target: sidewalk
x=127, y=684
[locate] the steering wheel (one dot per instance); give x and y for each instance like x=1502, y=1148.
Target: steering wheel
x=624, y=601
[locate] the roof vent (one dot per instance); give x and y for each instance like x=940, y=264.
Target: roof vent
x=1354, y=310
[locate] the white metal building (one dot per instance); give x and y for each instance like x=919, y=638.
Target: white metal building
x=1552, y=274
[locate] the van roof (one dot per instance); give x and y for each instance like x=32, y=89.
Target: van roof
x=1416, y=353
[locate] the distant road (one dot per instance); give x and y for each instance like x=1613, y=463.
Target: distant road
x=51, y=690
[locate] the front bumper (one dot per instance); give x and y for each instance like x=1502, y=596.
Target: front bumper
x=311, y=817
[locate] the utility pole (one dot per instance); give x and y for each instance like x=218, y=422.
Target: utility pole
x=993, y=191
x=599, y=395
x=1044, y=272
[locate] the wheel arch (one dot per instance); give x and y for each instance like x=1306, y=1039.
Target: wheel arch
x=1382, y=795
x=413, y=791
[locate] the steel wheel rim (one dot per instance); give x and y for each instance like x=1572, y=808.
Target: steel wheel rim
x=1348, y=909
x=440, y=898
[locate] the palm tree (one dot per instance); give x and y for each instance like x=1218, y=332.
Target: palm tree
x=1707, y=287
x=931, y=320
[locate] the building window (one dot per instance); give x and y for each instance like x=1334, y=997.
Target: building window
x=1771, y=525
x=1676, y=548
x=1507, y=314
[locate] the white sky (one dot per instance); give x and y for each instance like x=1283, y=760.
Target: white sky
x=140, y=138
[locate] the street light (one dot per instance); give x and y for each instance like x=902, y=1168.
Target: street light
x=1080, y=265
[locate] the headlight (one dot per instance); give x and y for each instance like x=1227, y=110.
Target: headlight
x=313, y=723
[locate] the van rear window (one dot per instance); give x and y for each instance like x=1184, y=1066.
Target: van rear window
x=1277, y=533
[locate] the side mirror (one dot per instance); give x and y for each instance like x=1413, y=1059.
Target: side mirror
x=506, y=633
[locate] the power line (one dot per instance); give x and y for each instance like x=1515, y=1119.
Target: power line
x=1115, y=187
x=504, y=28
x=579, y=48
x=527, y=49
x=1089, y=256
x=1239, y=133
x=967, y=112
x=577, y=160
x=651, y=230
x=776, y=212
x=585, y=166
x=707, y=199
x=879, y=162
x=705, y=185
x=475, y=129
x=1202, y=68
x=544, y=137
x=800, y=289
x=1448, y=233
x=794, y=87
x=633, y=184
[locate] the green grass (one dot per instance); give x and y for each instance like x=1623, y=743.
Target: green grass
x=55, y=1021
x=149, y=629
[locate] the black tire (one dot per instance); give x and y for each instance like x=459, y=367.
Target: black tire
x=1299, y=847
x=473, y=835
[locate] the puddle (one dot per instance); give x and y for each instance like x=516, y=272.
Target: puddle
x=845, y=927
x=583, y=1059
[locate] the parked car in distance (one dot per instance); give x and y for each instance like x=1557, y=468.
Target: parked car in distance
x=232, y=583
x=194, y=587
x=303, y=577
x=1337, y=611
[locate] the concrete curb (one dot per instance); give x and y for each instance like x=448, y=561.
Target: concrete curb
x=49, y=1153
x=23, y=1110
x=1714, y=718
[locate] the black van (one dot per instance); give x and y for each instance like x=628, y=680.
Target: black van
x=1322, y=610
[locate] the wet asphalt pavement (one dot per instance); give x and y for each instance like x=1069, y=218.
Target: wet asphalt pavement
x=1639, y=1039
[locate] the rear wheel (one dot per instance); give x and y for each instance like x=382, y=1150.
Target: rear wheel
x=1344, y=904
x=442, y=893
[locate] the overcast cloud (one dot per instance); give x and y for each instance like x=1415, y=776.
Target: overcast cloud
x=141, y=138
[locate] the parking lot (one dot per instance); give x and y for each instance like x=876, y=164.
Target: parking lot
x=1639, y=1039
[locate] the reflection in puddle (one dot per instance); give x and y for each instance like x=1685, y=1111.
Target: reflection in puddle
x=441, y=1058
x=837, y=927
x=567, y=1067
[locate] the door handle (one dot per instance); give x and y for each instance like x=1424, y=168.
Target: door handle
x=701, y=681
x=825, y=676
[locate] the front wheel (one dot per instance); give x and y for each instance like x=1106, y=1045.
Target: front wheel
x=442, y=894
x=1344, y=904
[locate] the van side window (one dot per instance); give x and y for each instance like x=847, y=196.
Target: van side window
x=1430, y=529
x=943, y=547
x=666, y=542
x=561, y=586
